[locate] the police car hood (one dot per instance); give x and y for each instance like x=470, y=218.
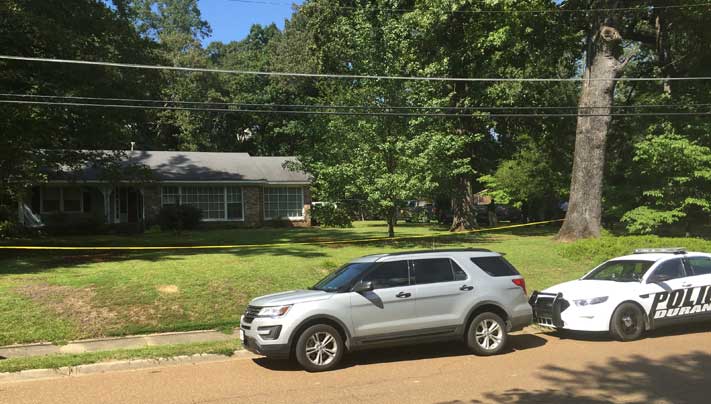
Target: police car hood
x=588, y=288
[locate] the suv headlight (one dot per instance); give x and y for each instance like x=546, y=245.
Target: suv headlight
x=588, y=302
x=274, y=311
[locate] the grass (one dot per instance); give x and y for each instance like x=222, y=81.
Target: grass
x=226, y=348
x=65, y=295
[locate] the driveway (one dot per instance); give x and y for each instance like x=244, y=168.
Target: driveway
x=667, y=367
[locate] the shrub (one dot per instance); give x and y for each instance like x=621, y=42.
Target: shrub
x=178, y=218
x=330, y=215
x=9, y=228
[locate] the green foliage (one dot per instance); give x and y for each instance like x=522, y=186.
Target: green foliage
x=529, y=177
x=674, y=181
x=607, y=246
x=179, y=218
x=331, y=215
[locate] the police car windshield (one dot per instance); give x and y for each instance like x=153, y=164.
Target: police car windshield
x=620, y=271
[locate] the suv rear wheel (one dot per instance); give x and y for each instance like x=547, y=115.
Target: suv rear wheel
x=486, y=334
x=319, y=348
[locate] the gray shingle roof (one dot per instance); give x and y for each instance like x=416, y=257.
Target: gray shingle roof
x=207, y=166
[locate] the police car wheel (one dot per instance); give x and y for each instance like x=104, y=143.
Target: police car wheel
x=627, y=322
x=486, y=334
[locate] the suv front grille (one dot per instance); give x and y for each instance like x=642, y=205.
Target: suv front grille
x=251, y=313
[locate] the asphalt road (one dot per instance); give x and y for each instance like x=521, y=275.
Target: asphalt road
x=667, y=367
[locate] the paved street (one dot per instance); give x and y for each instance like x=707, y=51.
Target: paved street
x=667, y=367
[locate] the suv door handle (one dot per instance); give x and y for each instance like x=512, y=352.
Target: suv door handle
x=402, y=295
x=466, y=287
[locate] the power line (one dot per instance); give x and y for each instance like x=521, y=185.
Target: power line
x=520, y=11
x=348, y=113
x=342, y=76
x=365, y=107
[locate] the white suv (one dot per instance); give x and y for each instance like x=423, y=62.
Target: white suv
x=473, y=295
x=628, y=295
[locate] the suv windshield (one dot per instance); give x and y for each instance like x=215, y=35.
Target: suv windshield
x=620, y=271
x=343, y=277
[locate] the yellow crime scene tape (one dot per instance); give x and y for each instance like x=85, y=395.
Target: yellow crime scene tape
x=313, y=242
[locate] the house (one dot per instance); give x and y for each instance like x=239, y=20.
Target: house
x=228, y=187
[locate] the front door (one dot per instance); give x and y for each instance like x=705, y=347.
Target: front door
x=672, y=292
x=389, y=309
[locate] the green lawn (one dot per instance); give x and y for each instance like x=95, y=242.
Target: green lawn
x=64, y=295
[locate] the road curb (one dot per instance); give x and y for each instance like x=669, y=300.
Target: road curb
x=113, y=366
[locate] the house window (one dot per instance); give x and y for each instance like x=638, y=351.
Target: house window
x=72, y=200
x=215, y=202
x=61, y=199
x=51, y=198
x=234, y=203
x=170, y=196
x=284, y=203
x=211, y=200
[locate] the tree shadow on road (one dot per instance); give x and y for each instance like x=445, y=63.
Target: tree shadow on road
x=639, y=380
x=410, y=353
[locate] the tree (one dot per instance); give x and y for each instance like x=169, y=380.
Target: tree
x=36, y=138
x=660, y=38
x=673, y=181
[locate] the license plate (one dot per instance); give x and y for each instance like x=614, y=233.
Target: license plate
x=241, y=335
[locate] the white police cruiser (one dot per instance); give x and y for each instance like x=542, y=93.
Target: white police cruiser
x=628, y=295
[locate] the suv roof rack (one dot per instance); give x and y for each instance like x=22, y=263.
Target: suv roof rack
x=445, y=250
x=673, y=250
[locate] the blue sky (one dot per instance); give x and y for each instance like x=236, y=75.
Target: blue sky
x=230, y=20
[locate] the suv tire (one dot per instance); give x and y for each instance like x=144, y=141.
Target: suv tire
x=319, y=348
x=486, y=334
x=627, y=323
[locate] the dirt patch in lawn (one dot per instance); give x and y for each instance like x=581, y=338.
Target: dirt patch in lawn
x=73, y=303
x=168, y=289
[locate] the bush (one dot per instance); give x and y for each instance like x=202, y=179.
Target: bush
x=330, y=215
x=9, y=228
x=178, y=218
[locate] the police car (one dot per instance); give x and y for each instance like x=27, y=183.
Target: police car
x=628, y=295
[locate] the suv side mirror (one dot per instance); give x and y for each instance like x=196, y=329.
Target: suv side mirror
x=361, y=287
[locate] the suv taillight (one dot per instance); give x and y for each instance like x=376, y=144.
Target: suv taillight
x=521, y=283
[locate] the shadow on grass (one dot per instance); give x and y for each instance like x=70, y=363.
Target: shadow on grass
x=408, y=353
x=37, y=261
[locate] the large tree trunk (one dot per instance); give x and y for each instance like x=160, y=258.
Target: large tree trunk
x=464, y=217
x=583, y=219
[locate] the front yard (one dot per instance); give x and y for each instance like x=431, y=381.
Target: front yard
x=63, y=295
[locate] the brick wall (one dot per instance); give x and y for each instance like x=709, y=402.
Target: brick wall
x=151, y=202
x=253, y=206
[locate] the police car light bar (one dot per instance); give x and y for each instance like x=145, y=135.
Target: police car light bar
x=676, y=250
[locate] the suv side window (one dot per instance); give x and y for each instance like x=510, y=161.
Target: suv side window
x=495, y=266
x=668, y=270
x=433, y=270
x=389, y=274
x=700, y=265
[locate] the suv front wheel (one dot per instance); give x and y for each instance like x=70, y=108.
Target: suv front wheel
x=486, y=334
x=319, y=348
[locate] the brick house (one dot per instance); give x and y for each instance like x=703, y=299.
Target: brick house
x=231, y=188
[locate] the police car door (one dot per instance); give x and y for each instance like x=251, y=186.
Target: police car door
x=671, y=292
